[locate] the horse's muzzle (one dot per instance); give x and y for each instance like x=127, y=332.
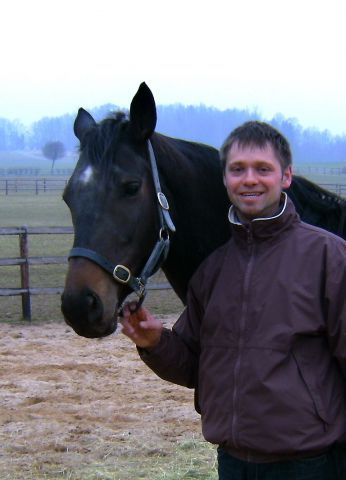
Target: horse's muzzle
x=84, y=312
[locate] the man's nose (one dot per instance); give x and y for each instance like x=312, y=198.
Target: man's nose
x=250, y=177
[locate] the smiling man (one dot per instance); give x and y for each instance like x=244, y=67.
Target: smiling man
x=262, y=339
x=254, y=179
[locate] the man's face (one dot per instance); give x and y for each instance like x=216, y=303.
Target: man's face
x=254, y=180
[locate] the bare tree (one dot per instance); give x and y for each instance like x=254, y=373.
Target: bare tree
x=53, y=151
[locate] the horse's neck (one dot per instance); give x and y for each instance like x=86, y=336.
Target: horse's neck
x=192, y=179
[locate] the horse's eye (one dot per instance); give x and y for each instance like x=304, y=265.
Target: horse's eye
x=131, y=188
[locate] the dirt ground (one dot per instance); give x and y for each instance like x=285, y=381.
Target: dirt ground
x=67, y=402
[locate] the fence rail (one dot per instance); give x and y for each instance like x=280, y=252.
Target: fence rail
x=24, y=260
x=35, y=172
x=35, y=186
x=27, y=185
x=319, y=170
x=338, y=188
x=300, y=169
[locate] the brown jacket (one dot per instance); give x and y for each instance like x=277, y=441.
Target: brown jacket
x=263, y=339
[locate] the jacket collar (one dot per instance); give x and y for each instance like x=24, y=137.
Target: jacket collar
x=233, y=217
x=268, y=227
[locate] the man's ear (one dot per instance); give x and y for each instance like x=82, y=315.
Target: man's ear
x=287, y=177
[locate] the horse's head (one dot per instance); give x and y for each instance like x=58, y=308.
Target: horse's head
x=111, y=197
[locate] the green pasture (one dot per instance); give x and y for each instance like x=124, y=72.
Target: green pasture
x=48, y=210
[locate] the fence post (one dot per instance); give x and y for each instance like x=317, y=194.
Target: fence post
x=24, y=273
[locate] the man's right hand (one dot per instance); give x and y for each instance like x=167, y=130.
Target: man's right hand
x=140, y=326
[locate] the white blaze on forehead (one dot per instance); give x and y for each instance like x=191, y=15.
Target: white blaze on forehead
x=86, y=175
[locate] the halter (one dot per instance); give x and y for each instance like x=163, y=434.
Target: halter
x=121, y=273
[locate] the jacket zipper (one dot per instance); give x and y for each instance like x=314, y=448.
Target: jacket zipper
x=244, y=310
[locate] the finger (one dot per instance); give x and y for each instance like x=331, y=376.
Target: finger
x=133, y=306
x=128, y=329
x=143, y=315
x=129, y=309
x=126, y=310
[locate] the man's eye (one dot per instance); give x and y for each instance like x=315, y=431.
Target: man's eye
x=235, y=169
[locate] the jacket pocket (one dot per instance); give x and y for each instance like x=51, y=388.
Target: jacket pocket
x=307, y=372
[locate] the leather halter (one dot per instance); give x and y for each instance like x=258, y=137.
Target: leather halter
x=121, y=273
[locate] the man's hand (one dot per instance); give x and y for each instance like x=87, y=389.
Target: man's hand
x=140, y=326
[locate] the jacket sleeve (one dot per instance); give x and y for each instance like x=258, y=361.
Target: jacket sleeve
x=176, y=357
x=335, y=301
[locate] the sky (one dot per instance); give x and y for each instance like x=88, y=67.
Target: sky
x=269, y=56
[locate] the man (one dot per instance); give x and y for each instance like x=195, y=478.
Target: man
x=263, y=336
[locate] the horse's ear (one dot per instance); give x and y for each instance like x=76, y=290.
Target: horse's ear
x=143, y=113
x=83, y=122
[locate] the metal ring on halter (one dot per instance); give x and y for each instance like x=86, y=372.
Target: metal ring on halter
x=163, y=200
x=163, y=234
x=120, y=309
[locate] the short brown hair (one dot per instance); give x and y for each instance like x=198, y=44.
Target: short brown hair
x=257, y=134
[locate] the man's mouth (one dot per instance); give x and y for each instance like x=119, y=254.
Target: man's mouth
x=251, y=194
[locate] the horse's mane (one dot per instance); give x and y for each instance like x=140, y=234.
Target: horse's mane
x=101, y=136
x=318, y=206
x=323, y=199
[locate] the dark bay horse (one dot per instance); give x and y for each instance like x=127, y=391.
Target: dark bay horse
x=119, y=195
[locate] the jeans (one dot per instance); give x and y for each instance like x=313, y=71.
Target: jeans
x=328, y=466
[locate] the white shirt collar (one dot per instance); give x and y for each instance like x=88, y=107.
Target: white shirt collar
x=233, y=217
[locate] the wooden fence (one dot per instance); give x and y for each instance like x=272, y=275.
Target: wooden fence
x=338, y=188
x=318, y=169
x=36, y=186
x=24, y=260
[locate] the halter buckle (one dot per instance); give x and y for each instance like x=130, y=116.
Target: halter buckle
x=122, y=274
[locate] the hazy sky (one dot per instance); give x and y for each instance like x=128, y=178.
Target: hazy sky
x=269, y=55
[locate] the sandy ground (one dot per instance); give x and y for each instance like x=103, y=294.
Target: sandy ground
x=67, y=401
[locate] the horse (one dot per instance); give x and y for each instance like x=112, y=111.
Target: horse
x=141, y=201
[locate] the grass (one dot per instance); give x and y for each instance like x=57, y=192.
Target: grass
x=34, y=210
x=191, y=459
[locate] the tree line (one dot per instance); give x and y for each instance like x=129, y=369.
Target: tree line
x=197, y=123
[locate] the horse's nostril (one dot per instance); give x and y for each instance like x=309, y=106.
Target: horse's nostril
x=81, y=307
x=83, y=311
x=91, y=301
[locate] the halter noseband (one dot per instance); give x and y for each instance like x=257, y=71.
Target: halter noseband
x=121, y=273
